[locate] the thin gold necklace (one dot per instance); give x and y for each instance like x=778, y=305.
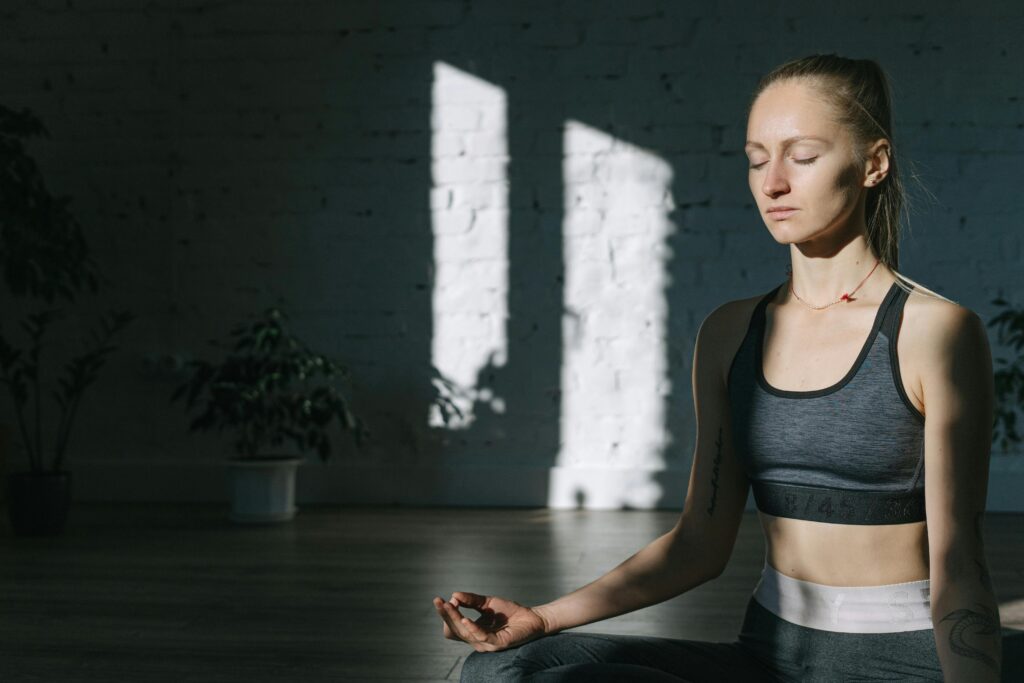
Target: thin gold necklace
x=845, y=297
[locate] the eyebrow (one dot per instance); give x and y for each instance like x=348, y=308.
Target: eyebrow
x=787, y=141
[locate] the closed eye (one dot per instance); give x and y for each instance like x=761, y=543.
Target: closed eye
x=809, y=160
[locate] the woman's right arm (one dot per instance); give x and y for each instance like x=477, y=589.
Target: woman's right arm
x=694, y=551
x=698, y=548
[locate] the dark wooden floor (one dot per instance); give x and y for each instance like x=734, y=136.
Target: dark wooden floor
x=177, y=593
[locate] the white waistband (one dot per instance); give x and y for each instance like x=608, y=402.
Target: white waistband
x=846, y=609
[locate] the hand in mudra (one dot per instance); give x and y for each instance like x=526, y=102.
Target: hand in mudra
x=502, y=623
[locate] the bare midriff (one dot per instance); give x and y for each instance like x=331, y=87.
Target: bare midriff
x=846, y=554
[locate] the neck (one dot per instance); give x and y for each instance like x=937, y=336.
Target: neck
x=821, y=279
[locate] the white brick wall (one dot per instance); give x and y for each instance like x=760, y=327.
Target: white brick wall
x=227, y=155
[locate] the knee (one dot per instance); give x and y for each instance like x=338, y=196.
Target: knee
x=512, y=664
x=479, y=667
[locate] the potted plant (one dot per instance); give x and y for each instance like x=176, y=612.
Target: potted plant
x=43, y=258
x=269, y=389
x=38, y=499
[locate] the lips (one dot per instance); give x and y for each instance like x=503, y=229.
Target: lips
x=781, y=211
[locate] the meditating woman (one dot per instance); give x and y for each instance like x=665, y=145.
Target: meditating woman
x=858, y=407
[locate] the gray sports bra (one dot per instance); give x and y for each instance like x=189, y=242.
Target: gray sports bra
x=851, y=453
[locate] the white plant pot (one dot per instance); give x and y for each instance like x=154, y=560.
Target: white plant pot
x=263, y=488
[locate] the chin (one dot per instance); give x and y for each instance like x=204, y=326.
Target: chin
x=784, y=234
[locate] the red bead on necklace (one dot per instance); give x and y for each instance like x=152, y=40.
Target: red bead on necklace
x=844, y=297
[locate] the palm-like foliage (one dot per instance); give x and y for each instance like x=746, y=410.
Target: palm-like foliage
x=43, y=253
x=1009, y=378
x=21, y=372
x=43, y=256
x=270, y=388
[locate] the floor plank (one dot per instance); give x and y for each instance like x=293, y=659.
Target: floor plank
x=178, y=593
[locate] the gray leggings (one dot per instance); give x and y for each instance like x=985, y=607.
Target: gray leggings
x=767, y=648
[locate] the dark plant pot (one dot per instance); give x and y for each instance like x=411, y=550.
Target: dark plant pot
x=38, y=503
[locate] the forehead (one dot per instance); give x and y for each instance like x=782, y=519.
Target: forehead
x=788, y=110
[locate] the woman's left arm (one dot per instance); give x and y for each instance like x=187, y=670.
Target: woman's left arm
x=957, y=382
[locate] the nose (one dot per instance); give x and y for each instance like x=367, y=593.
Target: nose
x=775, y=182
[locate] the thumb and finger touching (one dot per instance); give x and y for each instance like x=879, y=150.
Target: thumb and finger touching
x=462, y=625
x=502, y=623
x=458, y=626
x=468, y=599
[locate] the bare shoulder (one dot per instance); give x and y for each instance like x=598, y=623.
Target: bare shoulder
x=934, y=334
x=723, y=330
x=935, y=325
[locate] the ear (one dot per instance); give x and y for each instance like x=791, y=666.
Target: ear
x=876, y=168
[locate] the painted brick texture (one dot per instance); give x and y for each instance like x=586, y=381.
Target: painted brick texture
x=544, y=199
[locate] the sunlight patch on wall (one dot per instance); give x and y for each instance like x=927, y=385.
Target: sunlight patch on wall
x=469, y=220
x=614, y=369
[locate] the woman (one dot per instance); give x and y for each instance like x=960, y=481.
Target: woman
x=830, y=396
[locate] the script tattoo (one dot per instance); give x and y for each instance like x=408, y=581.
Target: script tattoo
x=714, y=472
x=981, y=622
x=983, y=575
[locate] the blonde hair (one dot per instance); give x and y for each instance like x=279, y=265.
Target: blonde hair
x=858, y=92
x=902, y=282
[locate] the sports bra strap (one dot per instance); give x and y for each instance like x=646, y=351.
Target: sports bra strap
x=891, y=318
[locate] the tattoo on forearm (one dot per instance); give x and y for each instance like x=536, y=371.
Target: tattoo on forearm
x=714, y=472
x=983, y=575
x=982, y=623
